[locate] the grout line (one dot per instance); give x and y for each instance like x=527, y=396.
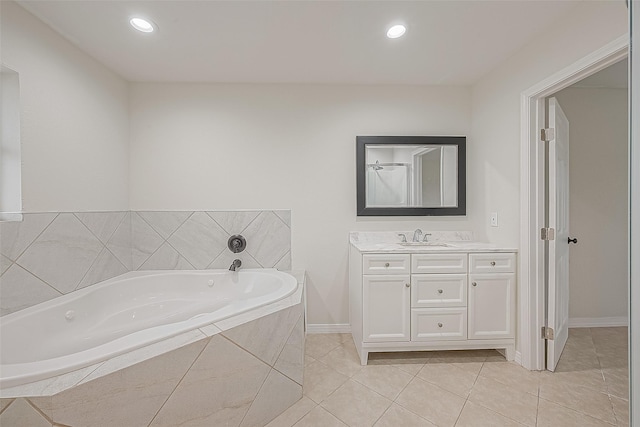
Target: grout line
x=11, y=262
x=39, y=411
x=36, y=238
x=282, y=257
x=173, y=232
x=208, y=339
x=104, y=248
x=461, y=410
x=8, y=404
x=43, y=281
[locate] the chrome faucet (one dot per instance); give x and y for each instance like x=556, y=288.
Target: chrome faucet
x=417, y=234
x=235, y=265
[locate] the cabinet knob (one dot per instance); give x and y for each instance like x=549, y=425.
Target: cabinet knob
x=386, y=264
x=408, y=285
x=439, y=325
x=439, y=291
x=493, y=263
x=474, y=284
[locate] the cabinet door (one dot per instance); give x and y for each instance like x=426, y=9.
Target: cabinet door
x=491, y=306
x=385, y=311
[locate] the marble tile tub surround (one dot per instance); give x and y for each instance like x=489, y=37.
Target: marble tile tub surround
x=229, y=374
x=50, y=254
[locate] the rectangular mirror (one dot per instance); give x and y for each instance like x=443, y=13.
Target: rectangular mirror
x=411, y=175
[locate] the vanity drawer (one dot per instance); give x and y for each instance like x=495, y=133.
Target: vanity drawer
x=439, y=263
x=492, y=263
x=438, y=290
x=435, y=324
x=386, y=264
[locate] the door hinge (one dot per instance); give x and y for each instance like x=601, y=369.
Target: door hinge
x=547, y=333
x=547, y=134
x=547, y=234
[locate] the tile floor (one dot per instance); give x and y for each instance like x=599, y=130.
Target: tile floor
x=469, y=388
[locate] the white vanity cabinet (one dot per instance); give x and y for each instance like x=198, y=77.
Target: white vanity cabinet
x=432, y=300
x=492, y=296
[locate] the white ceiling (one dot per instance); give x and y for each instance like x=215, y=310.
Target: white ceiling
x=447, y=42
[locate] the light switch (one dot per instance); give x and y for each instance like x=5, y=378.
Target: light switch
x=494, y=219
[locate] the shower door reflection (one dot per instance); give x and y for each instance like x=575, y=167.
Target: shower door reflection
x=425, y=176
x=388, y=185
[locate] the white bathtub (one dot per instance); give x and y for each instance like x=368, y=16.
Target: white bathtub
x=125, y=313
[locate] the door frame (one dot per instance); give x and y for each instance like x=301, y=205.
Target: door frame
x=532, y=200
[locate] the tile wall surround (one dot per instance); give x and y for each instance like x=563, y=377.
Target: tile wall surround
x=50, y=254
x=241, y=377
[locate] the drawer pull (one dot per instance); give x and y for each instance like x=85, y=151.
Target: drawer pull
x=439, y=291
x=474, y=284
x=408, y=285
x=493, y=263
x=386, y=264
x=439, y=325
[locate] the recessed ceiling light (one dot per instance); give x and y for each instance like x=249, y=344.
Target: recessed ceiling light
x=141, y=25
x=396, y=31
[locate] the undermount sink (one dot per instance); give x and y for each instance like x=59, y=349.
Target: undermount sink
x=441, y=244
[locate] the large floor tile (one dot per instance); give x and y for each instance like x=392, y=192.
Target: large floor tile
x=356, y=405
x=474, y=415
x=581, y=399
x=621, y=411
x=294, y=414
x=431, y=402
x=21, y=414
x=319, y=417
x=449, y=377
x=590, y=378
x=343, y=359
x=320, y=381
x=397, y=416
x=553, y=415
x=388, y=381
x=507, y=401
x=512, y=375
x=319, y=345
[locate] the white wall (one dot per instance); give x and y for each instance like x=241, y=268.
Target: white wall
x=496, y=108
x=10, y=176
x=208, y=146
x=598, y=181
x=74, y=120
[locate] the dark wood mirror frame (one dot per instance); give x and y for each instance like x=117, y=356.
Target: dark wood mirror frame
x=361, y=170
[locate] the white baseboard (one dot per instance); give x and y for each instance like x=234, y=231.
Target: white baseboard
x=518, y=358
x=320, y=328
x=597, y=322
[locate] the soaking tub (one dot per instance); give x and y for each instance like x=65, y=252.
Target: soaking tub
x=126, y=313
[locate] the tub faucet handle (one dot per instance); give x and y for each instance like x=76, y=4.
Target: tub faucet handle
x=235, y=265
x=236, y=243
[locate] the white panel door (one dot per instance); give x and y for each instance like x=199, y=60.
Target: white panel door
x=634, y=186
x=386, y=307
x=558, y=289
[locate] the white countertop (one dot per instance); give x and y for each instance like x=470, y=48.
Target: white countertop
x=439, y=241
